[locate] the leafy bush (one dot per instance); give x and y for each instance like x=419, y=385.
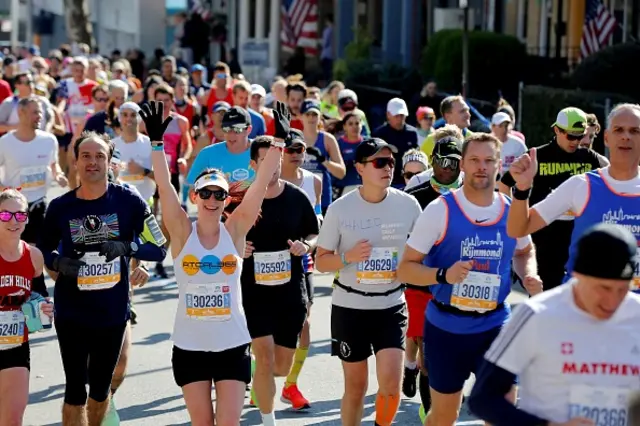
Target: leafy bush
x=612, y=69
x=540, y=106
x=496, y=62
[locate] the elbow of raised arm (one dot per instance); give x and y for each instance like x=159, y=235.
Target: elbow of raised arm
x=515, y=231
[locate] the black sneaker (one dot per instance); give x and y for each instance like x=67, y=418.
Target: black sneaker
x=160, y=271
x=409, y=382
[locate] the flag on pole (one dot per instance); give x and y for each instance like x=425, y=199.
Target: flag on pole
x=599, y=25
x=300, y=25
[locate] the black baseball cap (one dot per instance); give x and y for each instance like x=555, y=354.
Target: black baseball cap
x=448, y=147
x=606, y=251
x=296, y=137
x=310, y=105
x=236, y=116
x=370, y=147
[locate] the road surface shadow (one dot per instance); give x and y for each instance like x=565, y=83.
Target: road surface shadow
x=153, y=339
x=149, y=409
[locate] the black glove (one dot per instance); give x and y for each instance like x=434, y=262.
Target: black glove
x=67, y=266
x=282, y=118
x=314, y=152
x=152, y=114
x=114, y=249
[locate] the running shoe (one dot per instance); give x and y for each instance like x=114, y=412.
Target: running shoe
x=111, y=418
x=160, y=272
x=409, y=385
x=292, y=395
x=134, y=315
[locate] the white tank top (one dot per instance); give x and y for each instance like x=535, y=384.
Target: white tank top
x=309, y=185
x=210, y=316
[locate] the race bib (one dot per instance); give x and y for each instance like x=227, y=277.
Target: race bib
x=98, y=274
x=272, y=268
x=11, y=329
x=478, y=292
x=604, y=406
x=135, y=180
x=33, y=178
x=208, y=302
x=380, y=268
x=635, y=283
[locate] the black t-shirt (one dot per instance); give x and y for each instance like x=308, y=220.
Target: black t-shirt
x=555, y=166
x=424, y=193
x=289, y=216
x=404, y=140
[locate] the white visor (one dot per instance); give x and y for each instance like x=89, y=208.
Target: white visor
x=211, y=179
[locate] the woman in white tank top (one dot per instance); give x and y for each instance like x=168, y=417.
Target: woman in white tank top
x=211, y=339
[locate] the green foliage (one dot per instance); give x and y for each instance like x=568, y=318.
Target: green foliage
x=612, y=69
x=540, y=106
x=357, y=55
x=496, y=62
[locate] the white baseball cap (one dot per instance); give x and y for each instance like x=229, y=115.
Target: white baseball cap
x=256, y=89
x=499, y=118
x=212, y=179
x=397, y=106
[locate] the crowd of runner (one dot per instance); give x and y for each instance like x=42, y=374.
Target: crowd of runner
x=424, y=230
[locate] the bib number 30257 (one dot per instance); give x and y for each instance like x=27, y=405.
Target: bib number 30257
x=603, y=406
x=478, y=292
x=272, y=268
x=98, y=274
x=208, y=302
x=379, y=268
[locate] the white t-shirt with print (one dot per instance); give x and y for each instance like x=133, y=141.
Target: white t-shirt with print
x=138, y=151
x=569, y=363
x=28, y=164
x=510, y=151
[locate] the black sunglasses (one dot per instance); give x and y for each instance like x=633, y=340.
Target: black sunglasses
x=382, y=162
x=218, y=194
x=295, y=150
x=572, y=137
x=408, y=175
x=446, y=163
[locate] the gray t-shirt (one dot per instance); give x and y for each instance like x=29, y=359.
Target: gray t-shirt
x=386, y=225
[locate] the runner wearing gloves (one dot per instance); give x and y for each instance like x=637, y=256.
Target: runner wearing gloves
x=574, y=349
x=99, y=227
x=211, y=338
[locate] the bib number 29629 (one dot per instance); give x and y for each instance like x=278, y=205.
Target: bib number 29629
x=379, y=268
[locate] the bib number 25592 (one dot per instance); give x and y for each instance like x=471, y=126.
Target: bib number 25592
x=272, y=268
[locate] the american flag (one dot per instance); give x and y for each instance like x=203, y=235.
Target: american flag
x=599, y=25
x=300, y=25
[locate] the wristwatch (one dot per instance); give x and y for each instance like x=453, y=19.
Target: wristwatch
x=133, y=247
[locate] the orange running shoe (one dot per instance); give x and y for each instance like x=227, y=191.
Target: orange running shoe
x=292, y=395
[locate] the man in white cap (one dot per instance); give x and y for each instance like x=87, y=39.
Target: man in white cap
x=512, y=147
x=257, y=102
x=398, y=133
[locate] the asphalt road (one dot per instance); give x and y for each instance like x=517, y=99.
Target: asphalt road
x=149, y=396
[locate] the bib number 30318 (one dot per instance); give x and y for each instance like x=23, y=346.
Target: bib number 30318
x=478, y=292
x=272, y=268
x=208, y=302
x=11, y=329
x=603, y=406
x=379, y=268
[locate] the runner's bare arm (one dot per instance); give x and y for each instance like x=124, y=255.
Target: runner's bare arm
x=186, y=145
x=412, y=271
x=524, y=261
x=335, y=163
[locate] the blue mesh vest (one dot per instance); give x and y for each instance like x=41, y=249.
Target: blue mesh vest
x=314, y=167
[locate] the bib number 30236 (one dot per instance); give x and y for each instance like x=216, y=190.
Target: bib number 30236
x=478, y=292
x=272, y=268
x=98, y=274
x=208, y=302
x=379, y=268
x=11, y=329
x=603, y=406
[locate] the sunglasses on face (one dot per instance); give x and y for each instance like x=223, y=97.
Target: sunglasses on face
x=295, y=150
x=382, y=162
x=237, y=129
x=218, y=194
x=571, y=137
x=408, y=175
x=446, y=163
x=5, y=216
x=101, y=99
x=221, y=75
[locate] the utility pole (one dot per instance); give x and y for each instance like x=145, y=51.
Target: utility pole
x=464, y=5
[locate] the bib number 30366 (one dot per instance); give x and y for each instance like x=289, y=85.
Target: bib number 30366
x=98, y=274
x=604, y=406
x=272, y=268
x=380, y=268
x=11, y=329
x=478, y=292
x=208, y=302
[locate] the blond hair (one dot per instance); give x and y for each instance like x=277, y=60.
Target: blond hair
x=13, y=194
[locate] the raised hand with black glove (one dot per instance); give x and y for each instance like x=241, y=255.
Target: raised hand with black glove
x=114, y=249
x=67, y=266
x=153, y=116
x=314, y=153
x=282, y=118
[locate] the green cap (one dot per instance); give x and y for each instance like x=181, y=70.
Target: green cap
x=571, y=120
